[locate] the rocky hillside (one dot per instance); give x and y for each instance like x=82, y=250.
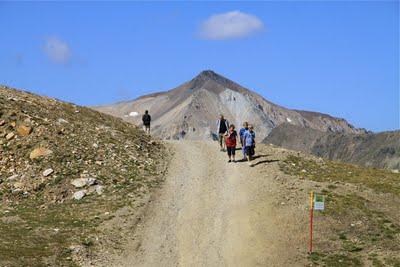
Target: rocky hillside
x=381, y=150
x=194, y=107
x=64, y=171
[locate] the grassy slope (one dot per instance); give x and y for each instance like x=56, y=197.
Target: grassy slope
x=360, y=225
x=40, y=222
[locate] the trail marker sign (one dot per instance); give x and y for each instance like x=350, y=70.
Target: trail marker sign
x=319, y=202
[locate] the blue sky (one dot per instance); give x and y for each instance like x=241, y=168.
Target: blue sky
x=340, y=58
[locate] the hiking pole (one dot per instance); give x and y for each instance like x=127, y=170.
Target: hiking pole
x=311, y=221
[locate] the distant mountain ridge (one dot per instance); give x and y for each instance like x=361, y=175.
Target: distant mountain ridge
x=381, y=150
x=194, y=107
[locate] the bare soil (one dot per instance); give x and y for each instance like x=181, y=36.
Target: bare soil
x=214, y=213
x=210, y=212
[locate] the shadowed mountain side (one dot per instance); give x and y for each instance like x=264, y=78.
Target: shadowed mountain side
x=381, y=150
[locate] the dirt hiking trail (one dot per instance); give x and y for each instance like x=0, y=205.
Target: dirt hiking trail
x=213, y=213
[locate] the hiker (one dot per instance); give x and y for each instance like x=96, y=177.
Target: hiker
x=249, y=143
x=230, y=141
x=182, y=135
x=253, y=135
x=146, y=121
x=222, y=126
x=241, y=136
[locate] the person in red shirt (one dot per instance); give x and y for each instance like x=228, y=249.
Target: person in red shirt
x=230, y=140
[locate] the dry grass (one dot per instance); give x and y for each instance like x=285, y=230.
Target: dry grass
x=359, y=226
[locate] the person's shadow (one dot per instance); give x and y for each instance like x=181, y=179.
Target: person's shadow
x=260, y=156
x=265, y=161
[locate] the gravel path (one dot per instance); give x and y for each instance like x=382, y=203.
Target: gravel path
x=211, y=213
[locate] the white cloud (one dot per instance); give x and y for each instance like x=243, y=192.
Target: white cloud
x=57, y=50
x=230, y=25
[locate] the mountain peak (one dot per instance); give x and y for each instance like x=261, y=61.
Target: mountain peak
x=210, y=75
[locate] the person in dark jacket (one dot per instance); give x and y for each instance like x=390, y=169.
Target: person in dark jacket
x=222, y=128
x=146, y=121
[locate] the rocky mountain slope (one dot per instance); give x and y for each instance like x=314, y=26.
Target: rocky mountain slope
x=65, y=170
x=194, y=107
x=381, y=150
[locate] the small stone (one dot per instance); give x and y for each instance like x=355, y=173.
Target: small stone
x=78, y=183
x=16, y=190
x=40, y=152
x=90, y=181
x=2, y=122
x=61, y=120
x=48, y=172
x=81, y=182
x=303, y=171
x=79, y=194
x=99, y=189
x=352, y=225
x=395, y=171
x=95, y=145
x=75, y=248
x=10, y=136
x=13, y=124
x=18, y=185
x=12, y=177
x=23, y=130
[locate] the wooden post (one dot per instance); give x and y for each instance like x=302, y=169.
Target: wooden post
x=311, y=221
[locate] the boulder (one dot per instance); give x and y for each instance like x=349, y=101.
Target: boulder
x=23, y=130
x=40, y=152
